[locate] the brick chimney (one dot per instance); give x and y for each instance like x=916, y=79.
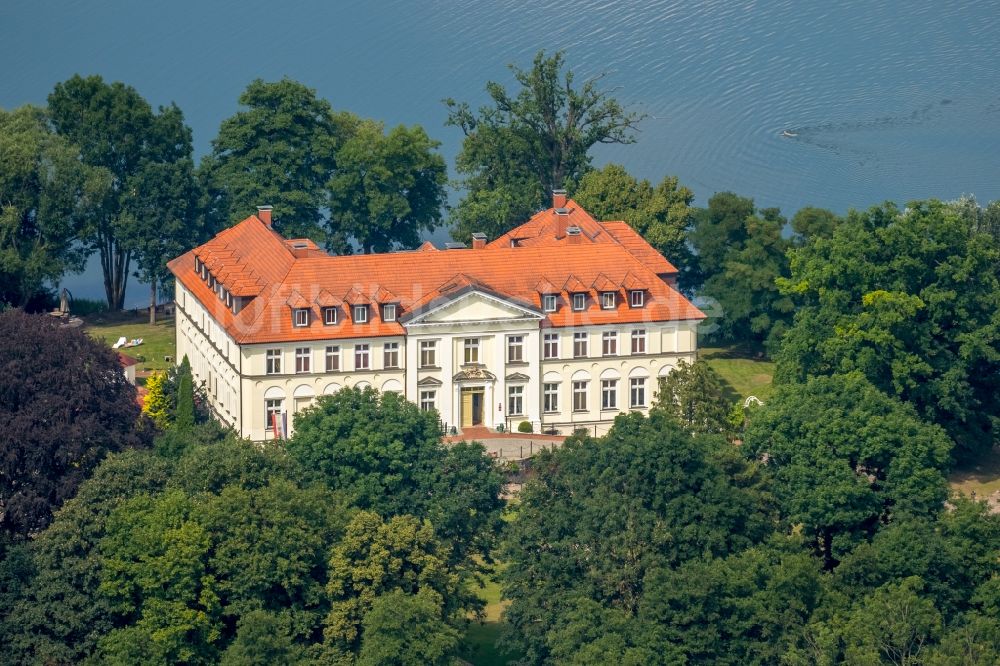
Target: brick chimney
x=264, y=215
x=558, y=199
x=478, y=241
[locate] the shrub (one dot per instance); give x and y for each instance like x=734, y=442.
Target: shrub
x=525, y=426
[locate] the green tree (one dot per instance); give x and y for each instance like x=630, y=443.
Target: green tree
x=184, y=411
x=116, y=130
x=810, y=223
x=44, y=189
x=910, y=300
x=64, y=404
x=386, y=454
x=278, y=150
x=522, y=146
x=718, y=229
x=407, y=630
x=693, y=396
x=376, y=557
x=846, y=459
x=167, y=221
x=602, y=514
x=753, y=308
x=892, y=625
x=262, y=639
x=156, y=404
x=662, y=214
x=387, y=188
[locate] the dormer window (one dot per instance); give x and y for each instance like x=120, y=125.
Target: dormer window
x=389, y=312
x=329, y=316
x=229, y=299
x=197, y=265
x=360, y=314
x=607, y=300
x=549, y=303
x=300, y=316
x=579, y=302
x=637, y=298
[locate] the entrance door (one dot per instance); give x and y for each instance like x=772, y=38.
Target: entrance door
x=472, y=407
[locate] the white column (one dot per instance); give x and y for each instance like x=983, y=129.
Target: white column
x=411, y=348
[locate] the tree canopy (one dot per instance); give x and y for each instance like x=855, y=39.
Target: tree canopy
x=910, y=299
x=528, y=142
x=44, y=193
x=117, y=131
x=64, y=404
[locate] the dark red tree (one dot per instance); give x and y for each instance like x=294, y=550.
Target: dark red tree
x=64, y=404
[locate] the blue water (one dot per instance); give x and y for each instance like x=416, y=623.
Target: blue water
x=890, y=100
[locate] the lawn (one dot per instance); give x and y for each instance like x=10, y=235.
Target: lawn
x=743, y=373
x=981, y=477
x=479, y=646
x=157, y=340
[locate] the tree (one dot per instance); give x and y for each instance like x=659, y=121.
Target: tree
x=59, y=617
x=44, y=189
x=184, y=417
x=718, y=229
x=278, y=150
x=521, y=147
x=602, y=514
x=387, y=188
x=744, y=284
x=156, y=404
x=692, y=395
x=386, y=454
x=846, y=459
x=810, y=223
x=116, y=130
x=910, y=300
x=662, y=214
x=377, y=557
x=167, y=221
x=54, y=430
x=407, y=630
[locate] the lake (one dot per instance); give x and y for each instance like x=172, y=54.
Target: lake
x=886, y=100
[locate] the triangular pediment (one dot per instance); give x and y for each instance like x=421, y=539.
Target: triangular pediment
x=429, y=381
x=473, y=305
x=517, y=377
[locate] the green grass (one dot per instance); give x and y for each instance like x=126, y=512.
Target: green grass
x=157, y=340
x=981, y=477
x=479, y=645
x=743, y=373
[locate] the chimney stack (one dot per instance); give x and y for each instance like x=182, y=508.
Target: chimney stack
x=478, y=241
x=559, y=199
x=264, y=215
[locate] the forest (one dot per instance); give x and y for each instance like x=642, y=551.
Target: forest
x=817, y=528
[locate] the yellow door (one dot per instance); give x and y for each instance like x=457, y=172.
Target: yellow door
x=466, y=408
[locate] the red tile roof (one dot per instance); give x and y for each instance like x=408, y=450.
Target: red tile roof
x=257, y=259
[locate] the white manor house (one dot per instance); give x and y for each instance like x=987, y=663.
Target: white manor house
x=563, y=322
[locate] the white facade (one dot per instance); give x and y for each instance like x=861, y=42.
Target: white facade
x=478, y=359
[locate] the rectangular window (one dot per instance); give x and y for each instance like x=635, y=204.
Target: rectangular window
x=609, y=394
x=550, y=397
x=580, y=345
x=607, y=300
x=273, y=362
x=639, y=341
x=515, y=349
x=329, y=316
x=609, y=343
x=550, y=345
x=333, y=359
x=361, y=357
x=637, y=389
x=515, y=400
x=428, y=400
x=579, y=302
x=471, y=350
x=303, y=356
x=229, y=300
x=580, y=396
x=549, y=303
x=360, y=314
x=389, y=312
x=272, y=413
x=390, y=355
x=638, y=298
x=301, y=317
x=428, y=353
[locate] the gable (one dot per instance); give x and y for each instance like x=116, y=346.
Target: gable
x=475, y=306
